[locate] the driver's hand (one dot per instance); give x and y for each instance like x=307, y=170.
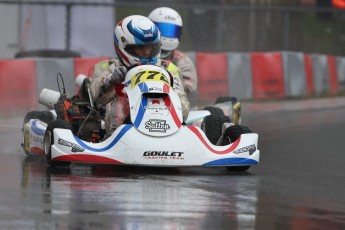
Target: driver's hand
x=116, y=77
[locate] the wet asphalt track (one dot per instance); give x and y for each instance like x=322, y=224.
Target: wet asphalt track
x=299, y=183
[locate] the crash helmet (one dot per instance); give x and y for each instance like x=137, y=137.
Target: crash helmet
x=133, y=33
x=170, y=25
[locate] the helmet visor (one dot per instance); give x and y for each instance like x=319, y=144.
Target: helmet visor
x=169, y=30
x=144, y=50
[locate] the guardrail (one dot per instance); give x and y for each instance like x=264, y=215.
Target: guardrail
x=248, y=76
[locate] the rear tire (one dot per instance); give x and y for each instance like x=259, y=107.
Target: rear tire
x=212, y=126
x=215, y=110
x=45, y=116
x=231, y=134
x=48, y=141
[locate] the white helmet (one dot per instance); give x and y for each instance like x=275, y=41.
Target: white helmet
x=133, y=32
x=170, y=25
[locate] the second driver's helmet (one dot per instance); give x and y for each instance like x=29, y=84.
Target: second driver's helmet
x=170, y=25
x=133, y=33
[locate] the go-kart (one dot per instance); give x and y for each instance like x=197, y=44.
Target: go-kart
x=154, y=134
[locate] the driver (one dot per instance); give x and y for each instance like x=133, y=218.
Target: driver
x=136, y=40
x=169, y=23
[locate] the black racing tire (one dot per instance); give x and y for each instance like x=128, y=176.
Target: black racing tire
x=45, y=116
x=231, y=134
x=47, y=53
x=212, y=126
x=215, y=110
x=48, y=141
x=241, y=168
x=225, y=99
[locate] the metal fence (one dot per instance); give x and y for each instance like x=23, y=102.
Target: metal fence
x=216, y=26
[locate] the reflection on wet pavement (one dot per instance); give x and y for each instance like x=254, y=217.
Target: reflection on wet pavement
x=159, y=197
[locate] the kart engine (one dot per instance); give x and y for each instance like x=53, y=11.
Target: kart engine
x=85, y=120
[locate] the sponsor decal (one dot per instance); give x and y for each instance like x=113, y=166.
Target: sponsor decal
x=75, y=147
x=171, y=155
x=37, y=139
x=157, y=106
x=155, y=89
x=155, y=125
x=149, y=35
x=251, y=149
x=168, y=17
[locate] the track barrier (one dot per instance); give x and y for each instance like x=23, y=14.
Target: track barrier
x=247, y=76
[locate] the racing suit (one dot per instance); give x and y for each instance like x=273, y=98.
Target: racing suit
x=186, y=66
x=117, y=106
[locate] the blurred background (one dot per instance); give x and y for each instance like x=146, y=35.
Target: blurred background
x=86, y=26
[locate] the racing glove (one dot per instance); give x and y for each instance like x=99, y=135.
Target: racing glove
x=116, y=77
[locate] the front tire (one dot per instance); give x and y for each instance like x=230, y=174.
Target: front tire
x=231, y=134
x=48, y=141
x=212, y=126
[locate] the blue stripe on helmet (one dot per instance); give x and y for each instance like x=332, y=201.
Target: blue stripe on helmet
x=115, y=40
x=143, y=35
x=169, y=30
